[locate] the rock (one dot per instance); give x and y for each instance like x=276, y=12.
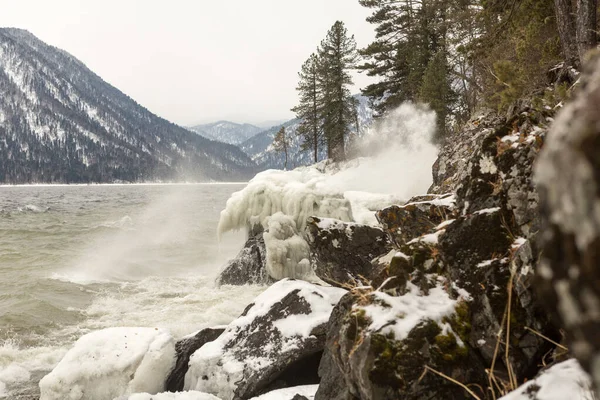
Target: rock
x=383, y=344
x=110, y=363
x=277, y=342
x=442, y=295
x=248, y=267
x=419, y=216
x=568, y=176
x=341, y=252
x=185, y=348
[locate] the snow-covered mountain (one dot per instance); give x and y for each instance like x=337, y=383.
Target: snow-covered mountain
x=260, y=148
x=60, y=122
x=227, y=132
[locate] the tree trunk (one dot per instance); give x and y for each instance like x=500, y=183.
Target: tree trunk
x=566, y=31
x=586, y=26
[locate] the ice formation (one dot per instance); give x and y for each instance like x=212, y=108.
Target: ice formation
x=287, y=251
x=217, y=361
x=300, y=193
x=110, y=363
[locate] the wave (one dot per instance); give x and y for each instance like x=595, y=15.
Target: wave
x=33, y=208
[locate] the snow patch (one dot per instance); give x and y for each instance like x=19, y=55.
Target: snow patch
x=401, y=314
x=307, y=391
x=566, y=380
x=192, y=395
x=487, y=166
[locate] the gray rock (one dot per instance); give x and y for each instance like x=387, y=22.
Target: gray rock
x=341, y=252
x=568, y=176
x=185, y=348
x=248, y=267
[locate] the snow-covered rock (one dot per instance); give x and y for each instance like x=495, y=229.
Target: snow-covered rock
x=110, y=363
x=305, y=391
x=185, y=348
x=191, y=395
x=341, y=252
x=283, y=328
x=566, y=380
x=249, y=266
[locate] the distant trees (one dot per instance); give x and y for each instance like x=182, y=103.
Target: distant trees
x=576, y=28
x=327, y=108
x=281, y=143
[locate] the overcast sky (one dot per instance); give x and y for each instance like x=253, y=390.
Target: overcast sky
x=194, y=61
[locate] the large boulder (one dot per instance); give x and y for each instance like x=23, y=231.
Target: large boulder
x=277, y=342
x=185, y=348
x=568, y=176
x=341, y=252
x=110, y=363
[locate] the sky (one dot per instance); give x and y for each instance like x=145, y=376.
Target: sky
x=195, y=61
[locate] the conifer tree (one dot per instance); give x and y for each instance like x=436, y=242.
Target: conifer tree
x=337, y=55
x=435, y=90
x=281, y=143
x=308, y=111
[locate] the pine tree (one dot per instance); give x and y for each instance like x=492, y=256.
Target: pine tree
x=281, y=143
x=337, y=55
x=436, y=91
x=309, y=108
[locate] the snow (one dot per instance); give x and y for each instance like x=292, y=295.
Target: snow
x=444, y=224
x=218, y=361
x=307, y=391
x=487, y=166
x=287, y=252
x=565, y=380
x=401, y=314
x=112, y=362
x=487, y=211
x=431, y=238
x=191, y=395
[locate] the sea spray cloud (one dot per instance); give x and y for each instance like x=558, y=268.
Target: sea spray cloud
x=398, y=167
x=398, y=152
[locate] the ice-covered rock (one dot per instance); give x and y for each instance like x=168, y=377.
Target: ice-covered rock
x=185, y=348
x=299, y=194
x=286, y=250
x=276, y=342
x=566, y=380
x=341, y=252
x=110, y=363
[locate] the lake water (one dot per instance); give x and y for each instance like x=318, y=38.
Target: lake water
x=79, y=258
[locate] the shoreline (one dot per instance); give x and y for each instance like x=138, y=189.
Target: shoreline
x=119, y=184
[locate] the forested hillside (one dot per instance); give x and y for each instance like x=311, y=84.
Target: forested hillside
x=60, y=122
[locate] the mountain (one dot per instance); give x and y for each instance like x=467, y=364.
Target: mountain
x=60, y=122
x=227, y=132
x=260, y=148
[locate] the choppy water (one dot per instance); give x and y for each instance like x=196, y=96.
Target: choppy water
x=79, y=258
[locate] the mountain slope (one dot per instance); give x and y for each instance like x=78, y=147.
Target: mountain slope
x=60, y=122
x=260, y=150
x=227, y=132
